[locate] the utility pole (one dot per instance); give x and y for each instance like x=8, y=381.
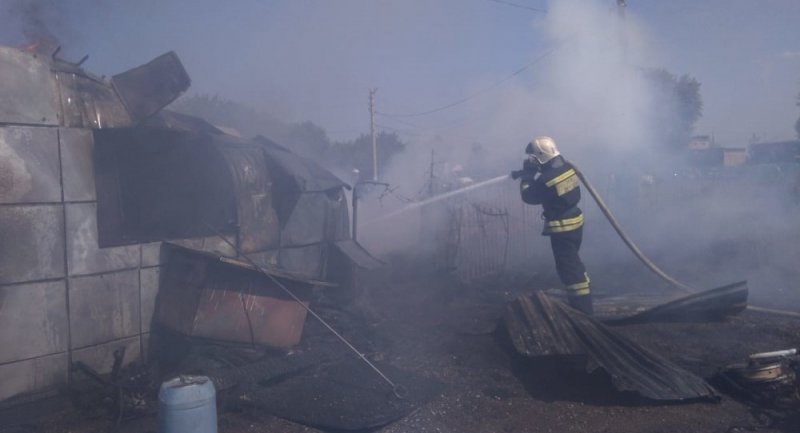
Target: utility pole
x=621, y=5
x=372, y=132
x=430, y=178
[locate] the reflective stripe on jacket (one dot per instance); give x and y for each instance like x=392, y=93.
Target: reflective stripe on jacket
x=563, y=225
x=557, y=189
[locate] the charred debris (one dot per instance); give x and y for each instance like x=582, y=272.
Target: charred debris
x=150, y=243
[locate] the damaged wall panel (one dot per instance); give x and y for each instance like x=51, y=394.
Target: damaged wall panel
x=37, y=311
x=29, y=169
x=202, y=296
x=149, y=279
x=39, y=374
x=84, y=253
x=28, y=90
x=100, y=358
x=31, y=243
x=77, y=164
x=89, y=102
x=111, y=299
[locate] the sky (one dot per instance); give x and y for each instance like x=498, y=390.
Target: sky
x=504, y=70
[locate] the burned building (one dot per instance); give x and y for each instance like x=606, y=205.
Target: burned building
x=108, y=202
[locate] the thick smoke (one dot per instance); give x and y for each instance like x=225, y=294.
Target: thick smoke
x=36, y=20
x=707, y=227
x=586, y=91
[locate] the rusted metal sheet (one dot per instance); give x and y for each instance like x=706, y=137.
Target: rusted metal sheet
x=258, y=220
x=711, y=304
x=150, y=87
x=28, y=90
x=202, y=296
x=39, y=90
x=89, y=102
x=539, y=326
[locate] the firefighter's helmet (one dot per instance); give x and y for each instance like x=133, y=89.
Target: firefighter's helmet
x=542, y=148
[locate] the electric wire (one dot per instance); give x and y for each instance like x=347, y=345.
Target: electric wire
x=476, y=94
x=519, y=6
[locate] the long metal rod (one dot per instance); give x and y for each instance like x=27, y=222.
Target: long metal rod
x=398, y=390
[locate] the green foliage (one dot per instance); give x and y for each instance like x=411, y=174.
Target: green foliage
x=357, y=154
x=226, y=113
x=678, y=106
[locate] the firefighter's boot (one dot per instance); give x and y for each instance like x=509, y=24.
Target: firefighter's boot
x=582, y=303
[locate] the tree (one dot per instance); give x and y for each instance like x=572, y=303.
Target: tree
x=358, y=153
x=305, y=138
x=677, y=107
x=226, y=113
x=308, y=139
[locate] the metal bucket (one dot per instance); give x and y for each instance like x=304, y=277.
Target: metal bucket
x=187, y=404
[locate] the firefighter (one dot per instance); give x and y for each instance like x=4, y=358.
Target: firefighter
x=547, y=179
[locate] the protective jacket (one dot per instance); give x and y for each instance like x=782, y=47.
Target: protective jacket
x=557, y=189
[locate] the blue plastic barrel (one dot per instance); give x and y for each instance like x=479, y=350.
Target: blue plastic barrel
x=187, y=404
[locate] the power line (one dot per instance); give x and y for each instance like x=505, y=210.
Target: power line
x=479, y=92
x=519, y=6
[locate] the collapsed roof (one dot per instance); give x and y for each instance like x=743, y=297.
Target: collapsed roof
x=539, y=326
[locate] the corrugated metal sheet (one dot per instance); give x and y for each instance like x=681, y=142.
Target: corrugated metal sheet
x=40, y=90
x=148, y=88
x=708, y=305
x=539, y=326
x=357, y=254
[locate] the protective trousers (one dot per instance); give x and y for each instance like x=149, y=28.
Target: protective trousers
x=568, y=263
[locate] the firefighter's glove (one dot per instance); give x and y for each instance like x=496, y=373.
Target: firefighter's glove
x=529, y=170
x=531, y=165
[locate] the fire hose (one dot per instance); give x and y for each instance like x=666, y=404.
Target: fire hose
x=635, y=249
x=649, y=263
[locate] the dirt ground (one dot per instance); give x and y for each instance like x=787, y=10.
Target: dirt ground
x=438, y=328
